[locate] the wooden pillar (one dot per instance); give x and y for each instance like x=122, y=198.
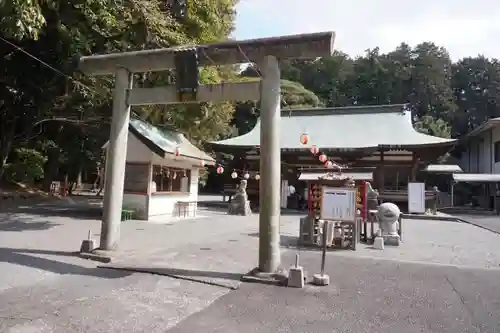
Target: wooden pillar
x=381, y=173
x=414, y=167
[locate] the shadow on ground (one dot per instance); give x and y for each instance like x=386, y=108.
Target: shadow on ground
x=31, y=258
x=14, y=223
x=84, y=212
x=286, y=241
x=178, y=272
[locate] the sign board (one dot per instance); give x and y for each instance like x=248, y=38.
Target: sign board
x=338, y=204
x=416, y=198
x=136, y=178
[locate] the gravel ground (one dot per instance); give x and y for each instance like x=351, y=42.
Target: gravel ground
x=365, y=295
x=44, y=288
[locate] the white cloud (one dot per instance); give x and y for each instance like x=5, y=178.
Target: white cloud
x=465, y=28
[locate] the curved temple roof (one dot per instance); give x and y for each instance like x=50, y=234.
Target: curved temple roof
x=163, y=141
x=345, y=128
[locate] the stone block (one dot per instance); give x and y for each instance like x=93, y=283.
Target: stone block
x=296, y=277
x=88, y=246
x=378, y=243
x=321, y=279
x=235, y=208
x=392, y=240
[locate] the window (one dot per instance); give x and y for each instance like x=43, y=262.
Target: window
x=496, y=147
x=170, y=179
x=136, y=178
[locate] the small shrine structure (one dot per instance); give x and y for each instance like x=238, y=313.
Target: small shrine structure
x=161, y=172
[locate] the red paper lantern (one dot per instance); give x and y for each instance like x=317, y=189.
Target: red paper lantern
x=328, y=164
x=177, y=151
x=202, y=163
x=322, y=158
x=220, y=170
x=314, y=150
x=304, y=139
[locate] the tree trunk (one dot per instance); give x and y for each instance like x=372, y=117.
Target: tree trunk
x=6, y=141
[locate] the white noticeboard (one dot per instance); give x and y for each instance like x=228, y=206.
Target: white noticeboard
x=338, y=204
x=416, y=197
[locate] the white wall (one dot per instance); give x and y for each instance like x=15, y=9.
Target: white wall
x=139, y=202
x=137, y=151
x=495, y=137
x=479, y=154
x=165, y=204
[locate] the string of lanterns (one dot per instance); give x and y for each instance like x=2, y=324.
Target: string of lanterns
x=304, y=140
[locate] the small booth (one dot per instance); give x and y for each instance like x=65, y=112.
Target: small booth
x=161, y=173
x=339, y=198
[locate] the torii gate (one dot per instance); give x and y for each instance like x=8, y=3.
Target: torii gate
x=186, y=61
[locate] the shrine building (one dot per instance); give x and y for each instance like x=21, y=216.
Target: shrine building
x=377, y=143
x=161, y=172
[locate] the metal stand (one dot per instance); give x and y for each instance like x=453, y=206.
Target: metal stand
x=322, y=279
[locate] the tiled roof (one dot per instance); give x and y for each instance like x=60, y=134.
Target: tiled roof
x=345, y=128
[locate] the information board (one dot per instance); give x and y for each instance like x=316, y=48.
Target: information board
x=338, y=204
x=136, y=178
x=416, y=198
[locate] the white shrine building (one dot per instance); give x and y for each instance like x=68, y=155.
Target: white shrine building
x=161, y=173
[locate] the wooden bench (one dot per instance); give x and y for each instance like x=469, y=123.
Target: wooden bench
x=127, y=214
x=184, y=208
x=229, y=190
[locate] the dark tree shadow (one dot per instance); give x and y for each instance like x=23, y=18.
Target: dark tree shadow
x=82, y=212
x=286, y=241
x=11, y=222
x=28, y=258
x=179, y=272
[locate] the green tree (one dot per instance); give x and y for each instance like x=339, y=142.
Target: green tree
x=56, y=113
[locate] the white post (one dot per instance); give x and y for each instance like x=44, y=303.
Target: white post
x=115, y=163
x=270, y=166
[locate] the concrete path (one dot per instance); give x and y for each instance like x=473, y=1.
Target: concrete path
x=365, y=295
x=44, y=288
x=489, y=222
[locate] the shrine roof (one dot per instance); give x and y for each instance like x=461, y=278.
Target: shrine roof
x=345, y=128
x=163, y=141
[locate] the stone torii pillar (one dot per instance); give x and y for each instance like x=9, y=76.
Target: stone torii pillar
x=265, y=52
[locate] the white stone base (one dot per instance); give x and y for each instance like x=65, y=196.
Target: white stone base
x=321, y=280
x=392, y=240
x=296, y=277
x=378, y=243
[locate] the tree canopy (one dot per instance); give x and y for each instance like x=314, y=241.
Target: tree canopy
x=54, y=120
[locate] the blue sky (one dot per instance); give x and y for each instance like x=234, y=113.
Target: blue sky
x=465, y=28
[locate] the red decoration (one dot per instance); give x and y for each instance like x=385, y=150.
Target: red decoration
x=177, y=151
x=328, y=164
x=322, y=158
x=202, y=163
x=314, y=150
x=304, y=139
x=220, y=170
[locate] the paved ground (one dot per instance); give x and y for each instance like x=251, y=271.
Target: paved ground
x=365, y=296
x=491, y=222
x=44, y=288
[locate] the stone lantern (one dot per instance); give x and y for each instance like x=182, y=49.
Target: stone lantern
x=388, y=216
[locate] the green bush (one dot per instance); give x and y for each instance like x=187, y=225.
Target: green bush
x=26, y=166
